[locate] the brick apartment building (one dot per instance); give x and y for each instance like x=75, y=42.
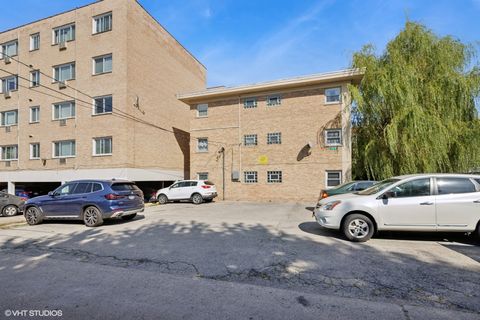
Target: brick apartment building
x=91, y=93
x=278, y=140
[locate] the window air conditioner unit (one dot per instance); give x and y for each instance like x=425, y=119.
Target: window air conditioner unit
x=7, y=129
x=62, y=84
x=7, y=164
x=62, y=45
x=7, y=60
x=62, y=161
x=7, y=94
x=63, y=122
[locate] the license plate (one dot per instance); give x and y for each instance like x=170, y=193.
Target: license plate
x=131, y=197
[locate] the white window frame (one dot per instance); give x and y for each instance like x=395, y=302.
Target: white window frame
x=32, y=73
x=72, y=68
x=327, y=144
x=4, y=47
x=103, y=58
x=94, y=110
x=274, y=134
x=72, y=105
x=339, y=95
x=33, y=41
x=249, y=103
x=4, y=85
x=15, y=146
x=199, y=175
x=32, y=157
x=98, y=139
x=198, y=145
x=250, y=177
x=70, y=26
x=279, y=173
x=340, y=179
x=274, y=96
x=250, y=136
x=200, y=112
x=3, y=115
x=101, y=16
x=64, y=141
x=31, y=114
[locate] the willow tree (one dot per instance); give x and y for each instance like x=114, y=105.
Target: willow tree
x=414, y=110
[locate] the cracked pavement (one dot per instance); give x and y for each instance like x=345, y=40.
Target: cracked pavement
x=223, y=249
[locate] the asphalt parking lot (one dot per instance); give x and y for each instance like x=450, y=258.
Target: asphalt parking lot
x=234, y=260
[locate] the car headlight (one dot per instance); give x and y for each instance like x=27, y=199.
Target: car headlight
x=331, y=205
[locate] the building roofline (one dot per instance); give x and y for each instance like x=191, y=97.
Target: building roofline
x=218, y=92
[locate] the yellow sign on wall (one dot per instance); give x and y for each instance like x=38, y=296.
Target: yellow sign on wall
x=263, y=160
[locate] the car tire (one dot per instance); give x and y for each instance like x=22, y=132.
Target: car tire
x=129, y=217
x=92, y=217
x=33, y=216
x=10, y=211
x=196, y=198
x=208, y=200
x=162, y=199
x=358, y=228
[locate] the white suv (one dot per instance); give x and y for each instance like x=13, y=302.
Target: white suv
x=423, y=202
x=196, y=191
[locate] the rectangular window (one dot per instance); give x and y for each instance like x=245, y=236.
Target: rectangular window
x=333, y=137
x=34, y=114
x=202, y=175
x=34, y=151
x=103, y=105
x=202, y=145
x=249, y=103
x=9, y=49
x=274, y=100
x=274, y=176
x=62, y=149
x=332, y=95
x=64, y=34
x=9, y=152
x=102, y=23
x=9, y=84
x=9, y=118
x=334, y=178
x=35, y=78
x=35, y=41
x=250, y=140
x=274, y=138
x=64, y=110
x=250, y=177
x=64, y=72
x=102, y=146
x=102, y=64
x=202, y=110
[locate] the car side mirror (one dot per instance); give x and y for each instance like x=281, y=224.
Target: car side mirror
x=51, y=194
x=388, y=194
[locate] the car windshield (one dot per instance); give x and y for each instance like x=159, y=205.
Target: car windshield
x=378, y=187
x=344, y=186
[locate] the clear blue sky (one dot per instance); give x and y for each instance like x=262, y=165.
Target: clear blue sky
x=253, y=40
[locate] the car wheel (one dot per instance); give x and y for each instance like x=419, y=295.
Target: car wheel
x=358, y=228
x=129, y=217
x=162, y=199
x=33, y=216
x=10, y=211
x=197, y=198
x=92, y=217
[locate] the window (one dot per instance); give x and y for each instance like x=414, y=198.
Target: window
x=274, y=138
x=102, y=23
x=274, y=100
x=334, y=178
x=9, y=118
x=35, y=151
x=202, y=175
x=202, y=110
x=274, y=176
x=202, y=145
x=9, y=84
x=35, y=78
x=250, y=139
x=9, y=49
x=333, y=137
x=34, y=114
x=102, y=146
x=103, y=105
x=35, y=41
x=64, y=34
x=249, y=103
x=62, y=149
x=102, y=64
x=250, y=177
x=82, y=187
x=96, y=187
x=9, y=152
x=415, y=188
x=65, y=189
x=64, y=110
x=455, y=185
x=64, y=72
x=332, y=95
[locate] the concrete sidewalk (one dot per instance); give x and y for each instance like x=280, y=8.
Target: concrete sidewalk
x=7, y=222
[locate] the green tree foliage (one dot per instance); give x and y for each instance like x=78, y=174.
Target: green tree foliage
x=414, y=110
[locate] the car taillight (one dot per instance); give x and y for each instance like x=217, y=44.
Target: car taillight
x=23, y=199
x=112, y=196
x=206, y=187
x=324, y=195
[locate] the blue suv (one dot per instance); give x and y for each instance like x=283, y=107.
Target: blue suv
x=89, y=200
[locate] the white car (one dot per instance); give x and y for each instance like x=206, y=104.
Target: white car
x=423, y=202
x=196, y=191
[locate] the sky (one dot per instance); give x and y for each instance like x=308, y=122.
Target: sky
x=250, y=41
